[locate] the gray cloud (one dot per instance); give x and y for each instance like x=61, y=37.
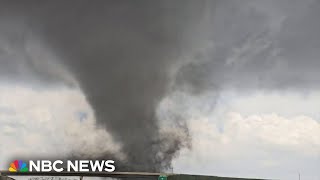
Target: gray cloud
x=258, y=45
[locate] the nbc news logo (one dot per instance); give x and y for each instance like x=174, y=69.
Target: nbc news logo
x=60, y=166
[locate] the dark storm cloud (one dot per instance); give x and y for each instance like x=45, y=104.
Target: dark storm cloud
x=121, y=53
x=23, y=56
x=271, y=45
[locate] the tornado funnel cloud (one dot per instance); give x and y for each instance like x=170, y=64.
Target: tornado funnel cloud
x=121, y=54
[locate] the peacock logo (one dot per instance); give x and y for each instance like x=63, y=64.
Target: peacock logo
x=18, y=166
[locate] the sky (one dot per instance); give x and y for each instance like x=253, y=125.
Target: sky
x=224, y=88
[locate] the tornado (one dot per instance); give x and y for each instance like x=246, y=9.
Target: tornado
x=122, y=55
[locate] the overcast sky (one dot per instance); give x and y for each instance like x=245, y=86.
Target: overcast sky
x=231, y=87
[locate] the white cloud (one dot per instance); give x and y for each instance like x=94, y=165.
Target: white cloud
x=248, y=146
x=47, y=122
x=260, y=134
x=287, y=104
x=301, y=134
